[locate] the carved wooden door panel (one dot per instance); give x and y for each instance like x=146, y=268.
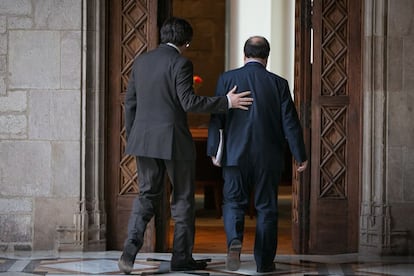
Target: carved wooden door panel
x=132, y=30
x=336, y=126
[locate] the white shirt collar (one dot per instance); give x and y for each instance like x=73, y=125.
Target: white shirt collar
x=174, y=46
x=251, y=60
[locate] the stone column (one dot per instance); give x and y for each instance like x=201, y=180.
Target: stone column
x=88, y=231
x=376, y=229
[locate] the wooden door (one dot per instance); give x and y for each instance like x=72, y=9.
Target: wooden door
x=336, y=126
x=302, y=89
x=325, y=198
x=132, y=30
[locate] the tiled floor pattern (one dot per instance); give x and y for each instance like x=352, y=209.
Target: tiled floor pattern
x=105, y=263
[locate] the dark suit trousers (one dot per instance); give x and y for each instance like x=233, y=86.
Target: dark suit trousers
x=151, y=185
x=238, y=183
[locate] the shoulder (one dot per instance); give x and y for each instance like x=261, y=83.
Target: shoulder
x=231, y=73
x=162, y=52
x=278, y=79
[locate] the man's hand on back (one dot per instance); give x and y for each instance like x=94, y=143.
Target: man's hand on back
x=239, y=100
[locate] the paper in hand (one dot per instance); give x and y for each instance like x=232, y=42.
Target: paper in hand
x=219, y=153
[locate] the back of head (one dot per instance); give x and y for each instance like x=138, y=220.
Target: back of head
x=177, y=31
x=257, y=47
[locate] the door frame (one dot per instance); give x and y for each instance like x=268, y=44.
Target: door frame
x=303, y=83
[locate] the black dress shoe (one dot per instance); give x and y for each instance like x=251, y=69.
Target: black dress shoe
x=125, y=263
x=188, y=265
x=269, y=268
x=233, y=255
x=127, y=259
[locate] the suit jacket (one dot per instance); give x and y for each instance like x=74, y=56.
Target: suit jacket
x=159, y=95
x=257, y=136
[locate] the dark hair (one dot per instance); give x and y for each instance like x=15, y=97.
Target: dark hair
x=257, y=47
x=176, y=31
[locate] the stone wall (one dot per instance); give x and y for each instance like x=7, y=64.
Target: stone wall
x=400, y=121
x=40, y=119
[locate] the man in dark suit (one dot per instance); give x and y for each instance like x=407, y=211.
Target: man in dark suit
x=159, y=93
x=252, y=156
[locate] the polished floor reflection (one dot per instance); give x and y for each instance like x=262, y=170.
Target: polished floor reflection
x=105, y=263
x=209, y=244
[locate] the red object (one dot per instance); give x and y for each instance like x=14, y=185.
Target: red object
x=197, y=80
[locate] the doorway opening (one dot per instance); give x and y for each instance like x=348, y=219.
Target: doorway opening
x=210, y=21
x=327, y=96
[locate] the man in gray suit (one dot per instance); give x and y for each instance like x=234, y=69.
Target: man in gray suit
x=253, y=152
x=159, y=95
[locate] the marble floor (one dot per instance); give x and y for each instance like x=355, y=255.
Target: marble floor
x=24, y=263
x=210, y=239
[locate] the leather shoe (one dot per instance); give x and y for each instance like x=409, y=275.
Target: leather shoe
x=188, y=265
x=125, y=263
x=233, y=255
x=269, y=268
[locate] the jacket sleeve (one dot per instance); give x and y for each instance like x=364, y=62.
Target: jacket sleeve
x=217, y=122
x=191, y=102
x=130, y=103
x=291, y=125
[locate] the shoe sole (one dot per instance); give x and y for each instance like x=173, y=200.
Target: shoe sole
x=123, y=267
x=198, y=265
x=233, y=255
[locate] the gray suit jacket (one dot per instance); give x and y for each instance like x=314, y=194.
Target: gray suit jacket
x=159, y=95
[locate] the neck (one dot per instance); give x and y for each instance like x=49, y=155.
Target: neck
x=259, y=60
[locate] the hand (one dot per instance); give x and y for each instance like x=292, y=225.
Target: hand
x=302, y=166
x=215, y=162
x=239, y=100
